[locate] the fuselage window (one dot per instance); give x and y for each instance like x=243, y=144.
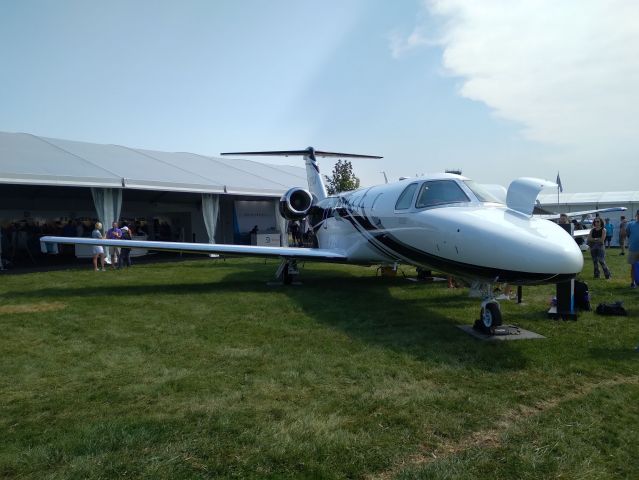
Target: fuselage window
x=440, y=192
x=405, y=199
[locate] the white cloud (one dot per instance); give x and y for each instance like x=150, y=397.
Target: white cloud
x=567, y=71
x=399, y=45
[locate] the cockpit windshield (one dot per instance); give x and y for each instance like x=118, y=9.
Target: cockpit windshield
x=481, y=192
x=440, y=192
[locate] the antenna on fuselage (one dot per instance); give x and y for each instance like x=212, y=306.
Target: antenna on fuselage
x=385, y=177
x=315, y=180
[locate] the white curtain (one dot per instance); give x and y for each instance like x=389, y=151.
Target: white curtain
x=108, y=203
x=282, y=224
x=210, y=211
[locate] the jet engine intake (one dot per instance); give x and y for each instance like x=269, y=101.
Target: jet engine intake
x=296, y=203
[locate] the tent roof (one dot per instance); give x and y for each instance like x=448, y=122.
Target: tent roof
x=34, y=160
x=589, y=198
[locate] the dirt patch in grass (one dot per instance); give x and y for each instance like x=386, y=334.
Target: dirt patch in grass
x=490, y=438
x=32, y=307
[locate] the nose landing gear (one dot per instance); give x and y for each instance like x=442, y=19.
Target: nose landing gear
x=489, y=317
x=490, y=313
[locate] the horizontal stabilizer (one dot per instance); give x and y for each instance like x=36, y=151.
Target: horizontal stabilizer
x=309, y=151
x=315, y=181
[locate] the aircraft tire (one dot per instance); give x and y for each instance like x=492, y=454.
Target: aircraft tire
x=490, y=317
x=287, y=278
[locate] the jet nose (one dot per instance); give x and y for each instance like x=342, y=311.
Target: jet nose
x=518, y=248
x=566, y=257
x=497, y=243
x=573, y=257
x=548, y=248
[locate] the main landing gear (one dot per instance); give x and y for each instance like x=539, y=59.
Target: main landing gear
x=287, y=272
x=490, y=313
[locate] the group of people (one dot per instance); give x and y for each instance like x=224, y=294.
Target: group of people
x=600, y=236
x=21, y=238
x=623, y=235
x=120, y=257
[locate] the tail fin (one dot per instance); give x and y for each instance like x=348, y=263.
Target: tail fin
x=315, y=181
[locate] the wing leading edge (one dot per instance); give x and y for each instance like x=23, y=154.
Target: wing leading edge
x=316, y=254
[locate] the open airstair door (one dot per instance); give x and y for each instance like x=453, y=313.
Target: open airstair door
x=523, y=192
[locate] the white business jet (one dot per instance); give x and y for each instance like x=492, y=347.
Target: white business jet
x=444, y=222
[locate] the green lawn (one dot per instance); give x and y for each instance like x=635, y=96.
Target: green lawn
x=201, y=370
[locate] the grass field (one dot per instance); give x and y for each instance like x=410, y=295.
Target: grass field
x=200, y=370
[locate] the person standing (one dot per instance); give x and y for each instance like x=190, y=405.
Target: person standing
x=98, y=250
x=68, y=231
x=610, y=228
x=577, y=226
x=125, y=252
x=622, y=234
x=114, y=233
x=564, y=222
x=632, y=230
x=596, y=239
x=294, y=228
x=1, y=264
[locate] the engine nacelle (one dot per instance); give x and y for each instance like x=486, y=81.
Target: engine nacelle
x=296, y=203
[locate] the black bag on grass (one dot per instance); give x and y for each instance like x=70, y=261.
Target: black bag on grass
x=611, y=309
x=582, y=296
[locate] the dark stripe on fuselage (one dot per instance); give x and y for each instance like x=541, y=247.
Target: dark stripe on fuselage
x=394, y=248
x=367, y=229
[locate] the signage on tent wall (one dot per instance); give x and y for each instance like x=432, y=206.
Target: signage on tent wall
x=250, y=213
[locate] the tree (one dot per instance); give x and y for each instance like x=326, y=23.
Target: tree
x=343, y=178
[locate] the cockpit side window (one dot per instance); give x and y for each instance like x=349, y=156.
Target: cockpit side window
x=481, y=192
x=406, y=198
x=440, y=192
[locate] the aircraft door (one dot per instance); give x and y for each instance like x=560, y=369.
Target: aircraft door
x=372, y=209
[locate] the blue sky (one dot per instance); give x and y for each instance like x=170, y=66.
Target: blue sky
x=500, y=90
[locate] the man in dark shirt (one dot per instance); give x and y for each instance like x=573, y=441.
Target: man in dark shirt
x=114, y=233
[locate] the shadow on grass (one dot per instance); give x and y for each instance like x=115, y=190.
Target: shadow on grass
x=615, y=354
x=364, y=308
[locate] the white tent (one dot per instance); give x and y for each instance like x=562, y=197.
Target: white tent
x=109, y=170
x=33, y=160
x=592, y=198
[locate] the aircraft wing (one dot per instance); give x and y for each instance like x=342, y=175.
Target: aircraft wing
x=555, y=216
x=316, y=254
x=581, y=233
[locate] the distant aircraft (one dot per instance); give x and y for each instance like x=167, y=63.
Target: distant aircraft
x=445, y=222
x=585, y=222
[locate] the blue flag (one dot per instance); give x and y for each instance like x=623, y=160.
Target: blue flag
x=558, y=182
